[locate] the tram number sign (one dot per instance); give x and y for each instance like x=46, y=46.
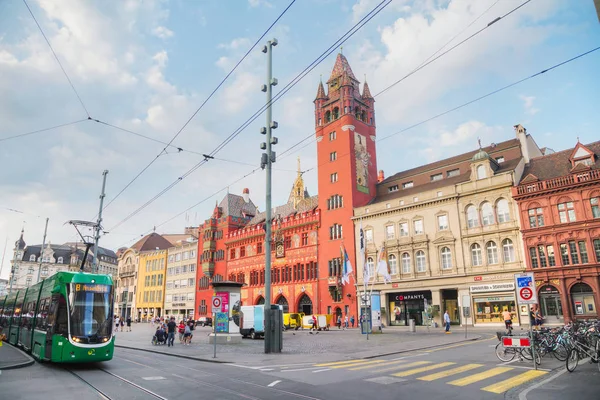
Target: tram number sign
x=526, y=290
x=216, y=304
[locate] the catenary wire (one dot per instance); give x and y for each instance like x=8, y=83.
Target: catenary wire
x=42, y=130
x=57, y=59
x=320, y=59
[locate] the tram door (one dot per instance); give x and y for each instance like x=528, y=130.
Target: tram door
x=57, y=321
x=50, y=326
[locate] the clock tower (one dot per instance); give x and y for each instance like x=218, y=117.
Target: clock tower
x=347, y=174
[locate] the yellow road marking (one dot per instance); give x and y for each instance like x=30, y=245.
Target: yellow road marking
x=450, y=372
x=515, y=381
x=423, y=369
x=480, y=376
x=414, y=364
x=337, y=363
x=390, y=363
x=358, y=363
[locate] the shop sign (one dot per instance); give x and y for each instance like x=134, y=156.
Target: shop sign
x=409, y=296
x=493, y=299
x=480, y=278
x=493, y=287
x=548, y=290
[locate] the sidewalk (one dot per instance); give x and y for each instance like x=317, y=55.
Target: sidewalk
x=300, y=346
x=11, y=357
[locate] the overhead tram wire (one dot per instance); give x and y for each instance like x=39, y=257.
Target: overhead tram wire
x=57, y=60
x=42, y=130
x=423, y=65
x=201, y=105
x=376, y=10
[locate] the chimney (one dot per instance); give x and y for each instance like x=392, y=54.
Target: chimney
x=522, y=136
x=380, y=176
x=246, y=195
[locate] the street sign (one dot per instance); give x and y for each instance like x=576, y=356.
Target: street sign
x=216, y=304
x=526, y=292
x=511, y=341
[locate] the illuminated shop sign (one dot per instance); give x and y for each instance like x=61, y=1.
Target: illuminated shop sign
x=493, y=287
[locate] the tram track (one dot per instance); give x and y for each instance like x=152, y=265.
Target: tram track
x=106, y=396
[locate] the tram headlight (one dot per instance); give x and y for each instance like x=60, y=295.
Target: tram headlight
x=76, y=339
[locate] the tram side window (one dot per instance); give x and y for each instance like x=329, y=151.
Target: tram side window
x=62, y=317
x=42, y=314
x=27, y=315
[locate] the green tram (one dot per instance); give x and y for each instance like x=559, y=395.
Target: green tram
x=66, y=318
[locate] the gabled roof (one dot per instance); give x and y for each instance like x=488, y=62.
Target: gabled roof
x=235, y=206
x=152, y=242
x=341, y=67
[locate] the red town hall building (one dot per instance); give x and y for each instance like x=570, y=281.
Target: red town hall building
x=558, y=201
x=307, y=267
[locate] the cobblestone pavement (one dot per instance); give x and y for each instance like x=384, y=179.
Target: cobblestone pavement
x=300, y=346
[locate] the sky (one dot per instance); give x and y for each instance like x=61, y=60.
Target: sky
x=147, y=66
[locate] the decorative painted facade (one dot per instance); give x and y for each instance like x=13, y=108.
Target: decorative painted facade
x=558, y=200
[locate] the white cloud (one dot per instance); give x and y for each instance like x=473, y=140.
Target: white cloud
x=528, y=104
x=162, y=32
x=237, y=94
x=258, y=3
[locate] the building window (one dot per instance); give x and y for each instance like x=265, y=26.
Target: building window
x=407, y=185
x=401, y=202
x=28, y=281
x=472, y=217
x=32, y=257
x=533, y=257
x=440, y=194
x=403, y=228
x=502, y=211
x=573, y=250
x=44, y=271
x=232, y=254
x=287, y=241
x=259, y=247
x=393, y=264
x=418, y=226
x=564, y=254
x=442, y=222
x=492, y=253
x=415, y=199
x=335, y=267
x=508, y=250
x=597, y=249
x=335, y=201
x=333, y=156
x=335, y=232
x=30, y=270
x=389, y=232
x=60, y=260
x=583, y=252
x=487, y=214
x=405, y=263
x=481, y=173
x=536, y=217
x=371, y=266
x=595, y=207
x=542, y=255
x=551, y=259
x=332, y=135
x=436, y=177
x=476, y=258
x=500, y=159
x=333, y=177
x=242, y=251
x=421, y=263
x=393, y=188
x=453, y=172
x=446, y=258
x=369, y=235
x=304, y=238
x=566, y=212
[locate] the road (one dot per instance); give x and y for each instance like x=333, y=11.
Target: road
x=463, y=371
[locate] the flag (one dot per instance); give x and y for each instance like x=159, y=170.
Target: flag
x=382, y=266
x=347, y=267
x=361, y=245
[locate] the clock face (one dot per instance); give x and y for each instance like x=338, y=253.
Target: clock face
x=279, y=250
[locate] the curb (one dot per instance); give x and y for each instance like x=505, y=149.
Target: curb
x=362, y=358
x=24, y=364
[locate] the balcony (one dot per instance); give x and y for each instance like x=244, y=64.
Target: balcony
x=209, y=245
x=561, y=181
x=208, y=267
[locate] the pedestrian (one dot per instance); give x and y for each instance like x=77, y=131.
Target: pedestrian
x=346, y=321
x=447, y=321
x=339, y=321
x=352, y=320
x=128, y=323
x=117, y=323
x=181, y=330
x=171, y=332
x=314, y=324
x=122, y=324
x=532, y=319
x=187, y=335
x=539, y=320
x=190, y=324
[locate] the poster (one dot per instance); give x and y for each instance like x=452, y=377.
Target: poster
x=363, y=161
x=221, y=322
x=224, y=301
x=234, y=322
x=376, y=310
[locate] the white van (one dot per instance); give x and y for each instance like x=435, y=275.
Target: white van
x=252, y=321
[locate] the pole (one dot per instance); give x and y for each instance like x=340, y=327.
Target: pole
x=531, y=343
x=214, y=324
x=42, y=251
x=12, y=268
x=98, y=224
x=266, y=161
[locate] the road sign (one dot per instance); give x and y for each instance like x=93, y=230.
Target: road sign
x=526, y=292
x=511, y=341
x=216, y=304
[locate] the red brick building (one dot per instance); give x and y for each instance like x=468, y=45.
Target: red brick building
x=558, y=200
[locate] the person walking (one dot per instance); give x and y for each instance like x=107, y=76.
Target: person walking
x=339, y=321
x=187, y=335
x=346, y=326
x=117, y=321
x=128, y=324
x=181, y=330
x=447, y=321
x=352, y=321
x=171, y=332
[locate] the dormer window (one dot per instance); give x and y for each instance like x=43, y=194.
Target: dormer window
x=393, y=188
x=407, y=185
x=481, y=172
x=581, y=155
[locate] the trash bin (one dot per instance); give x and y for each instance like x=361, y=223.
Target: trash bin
x=411, y=325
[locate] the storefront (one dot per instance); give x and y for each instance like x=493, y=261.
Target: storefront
x=550, y=304
x=406, y=306
x=582, y=297
x=490, y=300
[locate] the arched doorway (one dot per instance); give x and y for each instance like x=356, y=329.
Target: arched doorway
x=338, y=314
x=282, y=301
x=305, y=305
x=260, y=301
x=550, y=303
x=582, y=297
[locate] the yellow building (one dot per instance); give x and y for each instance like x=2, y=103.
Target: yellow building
x=151, y=282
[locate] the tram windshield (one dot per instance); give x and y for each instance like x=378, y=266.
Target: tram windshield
x=90, y=312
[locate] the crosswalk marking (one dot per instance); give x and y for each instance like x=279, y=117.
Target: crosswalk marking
x=397, y=367
x=358, y=363
x=480, y=376
x=376, y=365
x=423, y=369
x=515, y=381
x=449, y=372
x=337, y=363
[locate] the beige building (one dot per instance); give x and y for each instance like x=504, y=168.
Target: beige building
x=451, y=235
x=180, y=287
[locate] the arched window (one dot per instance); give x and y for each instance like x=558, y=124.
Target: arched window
x=481, y=173
x=393, y=264
x=502, y=211
x=476, y=259
x=492, y=252
x=60, y=260
x=371, y=266
x=363, y=116
x=328, y=116
x=357, y=112
x=421, y=262
x=32, y=257
x=336, y=113
x=472, y=216
x=44, y=271
x=508, y=250
x=405, y=263
x=446, y=258
x=487, y=214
